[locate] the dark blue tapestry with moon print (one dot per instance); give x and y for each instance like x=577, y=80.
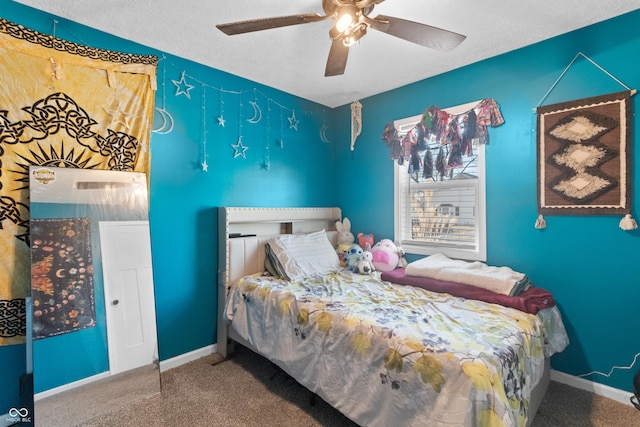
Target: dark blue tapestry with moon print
x=61, y=276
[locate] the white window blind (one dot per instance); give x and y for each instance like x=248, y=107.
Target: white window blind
x=443, y=210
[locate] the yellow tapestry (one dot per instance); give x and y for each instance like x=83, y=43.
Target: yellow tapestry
x=62, y=105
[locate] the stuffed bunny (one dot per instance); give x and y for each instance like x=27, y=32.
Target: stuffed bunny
x=345, y=237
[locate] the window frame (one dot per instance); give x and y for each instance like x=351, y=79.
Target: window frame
x=400, y=177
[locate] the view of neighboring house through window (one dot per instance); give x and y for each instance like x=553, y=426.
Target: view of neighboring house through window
x=442, y=210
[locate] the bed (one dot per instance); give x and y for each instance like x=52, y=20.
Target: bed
x=382, y=353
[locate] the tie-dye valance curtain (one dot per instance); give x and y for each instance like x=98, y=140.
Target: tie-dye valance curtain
x=63, y=105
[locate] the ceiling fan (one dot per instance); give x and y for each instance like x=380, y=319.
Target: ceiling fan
x=351, y=23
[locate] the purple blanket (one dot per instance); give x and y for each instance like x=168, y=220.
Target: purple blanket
x=531, y=301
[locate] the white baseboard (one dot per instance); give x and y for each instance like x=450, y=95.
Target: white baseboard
x=174, y=362
x=70, y=386
x=597, y=388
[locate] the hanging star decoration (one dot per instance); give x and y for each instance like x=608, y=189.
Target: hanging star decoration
x=239, y=150
x=182, y=87
x=205, y=166
x=266, y=165
x=220, y=117
x=293, y=122
x=118, y=115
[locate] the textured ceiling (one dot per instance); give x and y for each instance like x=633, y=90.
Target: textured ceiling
x=293, y=59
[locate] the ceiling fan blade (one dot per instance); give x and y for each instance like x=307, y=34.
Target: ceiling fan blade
x=251, y=25
x=337, y=60
x=424, y=35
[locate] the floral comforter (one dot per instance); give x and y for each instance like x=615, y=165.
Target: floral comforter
x=386, y=354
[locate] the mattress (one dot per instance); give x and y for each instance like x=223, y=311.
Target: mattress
x=388, y=354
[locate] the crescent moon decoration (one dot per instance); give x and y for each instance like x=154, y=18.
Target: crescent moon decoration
x=257, y=112
x=323, y=134
x=167, y=122
x=167, y=119
x=60, y=273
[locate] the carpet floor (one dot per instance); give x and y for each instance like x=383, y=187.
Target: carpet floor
x=247, y=390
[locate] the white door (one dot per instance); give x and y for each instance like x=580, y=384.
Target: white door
x=129, y=296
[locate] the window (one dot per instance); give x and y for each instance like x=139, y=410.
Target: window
x=443, y=212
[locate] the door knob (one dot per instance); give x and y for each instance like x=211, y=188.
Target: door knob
x=115, y=302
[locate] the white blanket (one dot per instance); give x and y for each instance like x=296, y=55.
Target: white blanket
x=502, y=280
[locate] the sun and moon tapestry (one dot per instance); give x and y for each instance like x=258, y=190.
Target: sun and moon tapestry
x=62, y=104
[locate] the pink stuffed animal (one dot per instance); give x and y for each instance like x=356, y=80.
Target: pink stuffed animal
x=386, y=255
x=363, y=239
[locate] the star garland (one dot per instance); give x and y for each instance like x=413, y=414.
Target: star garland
x=182, y=87
x=167, y=118
x=293, y=122
x=205, y=166
x=239, y=150
x=257, y=112
x=323, y=129
x=266, y=165
x=118, y=115
x=220, y=117
x=117, y=112
x=280, y=141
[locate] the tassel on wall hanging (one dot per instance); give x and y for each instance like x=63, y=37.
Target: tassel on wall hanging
x=583, y=156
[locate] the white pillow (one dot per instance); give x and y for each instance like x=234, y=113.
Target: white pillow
x=302, y=255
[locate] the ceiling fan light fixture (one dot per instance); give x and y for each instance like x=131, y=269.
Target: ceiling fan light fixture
x=355, y=34
x=351, y=22
x=346, y=17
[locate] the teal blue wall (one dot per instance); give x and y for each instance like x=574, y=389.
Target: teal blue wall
x=589, y=264
x=14, y=363
x=184, y=198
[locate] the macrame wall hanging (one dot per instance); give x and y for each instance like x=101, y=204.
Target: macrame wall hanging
x=583, y=155
x=356, y=122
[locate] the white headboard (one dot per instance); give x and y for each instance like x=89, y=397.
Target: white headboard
x=242, y=233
